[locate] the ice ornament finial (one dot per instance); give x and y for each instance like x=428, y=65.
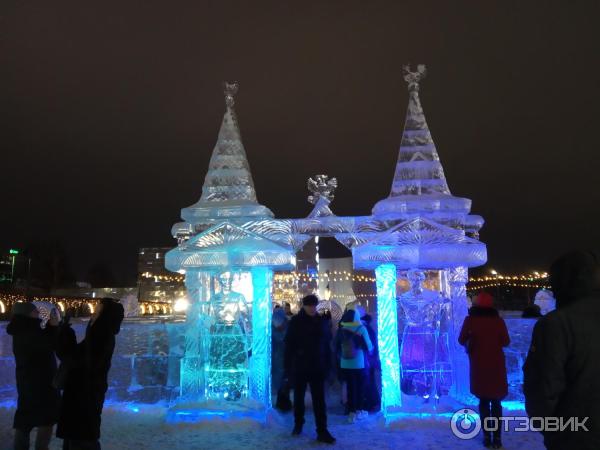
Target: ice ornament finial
x=230, y=89
x=321, y=187
x=413, y=78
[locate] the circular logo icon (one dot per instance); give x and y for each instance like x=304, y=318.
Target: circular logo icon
x=465, y=423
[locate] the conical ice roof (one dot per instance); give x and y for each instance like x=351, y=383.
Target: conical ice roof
x=418, y=171
x=419, y=181
x=228, y=189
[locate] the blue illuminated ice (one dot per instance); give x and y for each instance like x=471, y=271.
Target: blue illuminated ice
x=428, y=236
x=420, y=241
x=228, y=248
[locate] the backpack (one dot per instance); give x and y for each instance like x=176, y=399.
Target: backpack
x=350, y=343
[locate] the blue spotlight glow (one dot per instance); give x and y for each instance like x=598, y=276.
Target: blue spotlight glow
x=387, y=324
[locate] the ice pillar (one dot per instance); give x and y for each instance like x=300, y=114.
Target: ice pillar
x=458, y=278
x=260, y=373
x=192, y=370
x=387, y=326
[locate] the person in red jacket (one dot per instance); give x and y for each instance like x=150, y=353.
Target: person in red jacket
x=484, y=334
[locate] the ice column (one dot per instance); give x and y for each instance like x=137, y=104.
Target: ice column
x=458, y=278
x=387, y=325
x=260, y=381
x=192, y=373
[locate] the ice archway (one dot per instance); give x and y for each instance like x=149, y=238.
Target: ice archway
x=420, y=241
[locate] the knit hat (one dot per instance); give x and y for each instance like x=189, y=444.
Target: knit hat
x=310, y=300
x=23, y=309
x=484, y=300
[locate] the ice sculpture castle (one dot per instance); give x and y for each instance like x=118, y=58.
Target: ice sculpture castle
x=420, y=241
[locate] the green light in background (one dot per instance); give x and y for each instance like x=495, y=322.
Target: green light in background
x=12, y=251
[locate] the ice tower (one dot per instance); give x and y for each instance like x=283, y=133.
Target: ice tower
x=228, y=260
x=417, y=242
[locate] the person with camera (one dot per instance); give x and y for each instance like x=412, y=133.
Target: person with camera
x=35, y=360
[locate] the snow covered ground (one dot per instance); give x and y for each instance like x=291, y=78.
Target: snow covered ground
x=124, y=428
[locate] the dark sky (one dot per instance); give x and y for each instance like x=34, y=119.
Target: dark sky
x=109, y=111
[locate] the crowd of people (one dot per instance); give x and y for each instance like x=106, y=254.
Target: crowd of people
x=308, y=350
x=561, y=372
x=69, y=394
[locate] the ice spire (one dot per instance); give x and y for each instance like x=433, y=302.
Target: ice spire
x=418, y=171
x=228, y=178
x=228, y=189
x=419, y=182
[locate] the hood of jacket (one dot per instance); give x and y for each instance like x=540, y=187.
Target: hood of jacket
x=573, y=276
x=351, y=319
x=110, y=318
x=19, y=324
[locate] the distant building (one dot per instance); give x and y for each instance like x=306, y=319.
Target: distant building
x=155, y=283
x=5, y=269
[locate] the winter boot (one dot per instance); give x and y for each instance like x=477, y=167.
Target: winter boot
x=487, y=439
x=497, y=441
x=326, y=437
x=297, y=429
x=283, y=403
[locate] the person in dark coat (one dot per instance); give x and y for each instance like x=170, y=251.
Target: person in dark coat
x=372, y=399
x=353, y=346
x=86, y=381
x=484, y=334
x=307, y=361
x=280, y=384
x=35, y=360
x=562, y=369
x=532, y=311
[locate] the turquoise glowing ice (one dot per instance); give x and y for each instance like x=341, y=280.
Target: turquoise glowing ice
x=387, y=338
x=228, y=250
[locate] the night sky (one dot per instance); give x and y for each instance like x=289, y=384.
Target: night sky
x=109, y=111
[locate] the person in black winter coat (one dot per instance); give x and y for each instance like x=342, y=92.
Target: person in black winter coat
x=372, y=398
x=278, y=381
x=307, y=361
x=86, y=381
x=562, y=370
x=33, y=347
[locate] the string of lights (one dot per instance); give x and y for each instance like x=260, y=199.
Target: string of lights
x=84, y=304
x=344, y=275
x=522, y=277
x=286, y=284
x=536, y=280
x=489, y=285
x=334, y=275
